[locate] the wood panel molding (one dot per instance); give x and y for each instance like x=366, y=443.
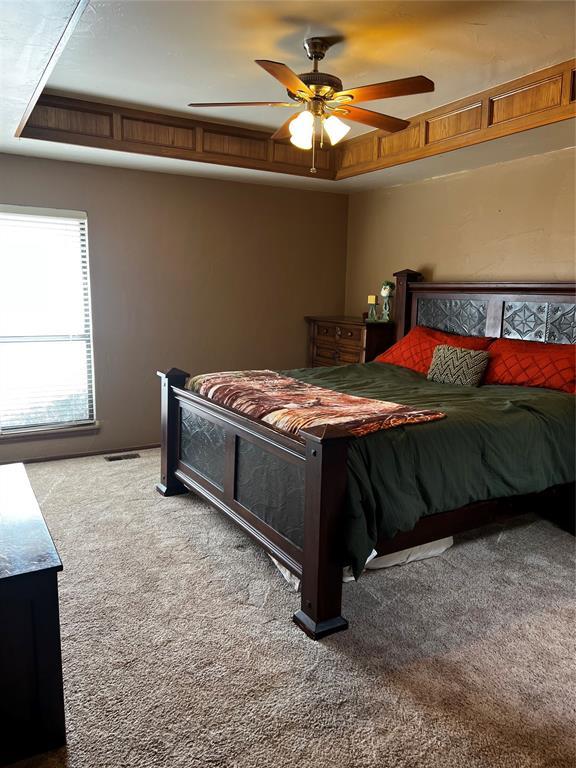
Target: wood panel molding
x=526, y=101
x=531, y=101
x=538, y=99
x=455, y=123
x=92, y=124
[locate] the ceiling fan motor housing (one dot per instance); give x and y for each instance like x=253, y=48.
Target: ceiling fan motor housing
x=321, y=83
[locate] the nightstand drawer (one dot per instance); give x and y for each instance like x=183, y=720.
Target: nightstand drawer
x=325, y=353
x=348, y=356
x=332, y=354
x=350, y=334
x=325, y=331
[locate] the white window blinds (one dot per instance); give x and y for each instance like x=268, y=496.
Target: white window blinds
x=46, y=372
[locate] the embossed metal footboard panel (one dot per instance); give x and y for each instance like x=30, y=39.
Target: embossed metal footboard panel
x=259, y=483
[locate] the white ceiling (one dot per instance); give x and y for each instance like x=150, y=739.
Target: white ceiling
x=166, y=54
x=29, y=33
x=163, y=54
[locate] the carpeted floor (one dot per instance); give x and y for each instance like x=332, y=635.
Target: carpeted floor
x=179, y=650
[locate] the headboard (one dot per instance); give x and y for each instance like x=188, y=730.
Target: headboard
x=529, y=311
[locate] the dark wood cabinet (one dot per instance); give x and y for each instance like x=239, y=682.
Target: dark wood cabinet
x=32, y=699
x=346, y=340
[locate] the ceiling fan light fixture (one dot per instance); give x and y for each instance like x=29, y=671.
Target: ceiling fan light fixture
x=335, y=129
x=321, y=95
x=302, y=130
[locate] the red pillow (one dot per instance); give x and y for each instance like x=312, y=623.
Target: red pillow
x=532, y=364
x=415, y=350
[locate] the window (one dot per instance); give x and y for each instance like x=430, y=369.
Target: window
x=46, y=372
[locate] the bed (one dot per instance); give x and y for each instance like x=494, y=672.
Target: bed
x=322, y=499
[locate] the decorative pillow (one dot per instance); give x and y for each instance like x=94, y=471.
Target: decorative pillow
x=532, y=364
x=415, y=350
x=454, y=365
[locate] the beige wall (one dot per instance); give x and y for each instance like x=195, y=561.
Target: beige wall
x=208, y=275
x=194, y=273
x=513, y=220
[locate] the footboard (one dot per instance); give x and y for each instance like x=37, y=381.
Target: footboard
x=287, y=494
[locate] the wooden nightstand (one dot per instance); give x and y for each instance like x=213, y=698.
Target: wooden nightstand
x=346, y=340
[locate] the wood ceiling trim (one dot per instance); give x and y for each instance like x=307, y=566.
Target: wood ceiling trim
x=537, y=99
x=92, y=124
x=541, y=98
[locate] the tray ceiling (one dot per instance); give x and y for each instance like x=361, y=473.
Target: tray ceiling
x=162, y=54
x=166, y=54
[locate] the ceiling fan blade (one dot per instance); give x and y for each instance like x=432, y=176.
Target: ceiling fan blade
x=247, y=104
x=403, y=87
x=374, y=119
x=284, y=131
x=284, y=74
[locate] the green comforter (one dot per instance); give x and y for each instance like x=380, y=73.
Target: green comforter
x=495, y=441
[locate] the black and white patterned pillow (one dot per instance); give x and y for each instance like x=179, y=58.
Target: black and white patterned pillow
x=454, y=365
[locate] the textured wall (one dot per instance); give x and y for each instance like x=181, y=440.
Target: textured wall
x=208, y=275
x=514, y=220
x=194, y=273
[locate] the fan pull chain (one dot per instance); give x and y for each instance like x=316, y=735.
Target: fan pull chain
x=313, y=169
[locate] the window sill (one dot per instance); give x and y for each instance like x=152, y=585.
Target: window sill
x=41, y=433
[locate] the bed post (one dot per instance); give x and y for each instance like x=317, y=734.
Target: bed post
x=403, y=300
x=326, y=477
x=170, y=432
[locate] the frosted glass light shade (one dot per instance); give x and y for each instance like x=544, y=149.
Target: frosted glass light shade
x=335, y=129
x=301, y=130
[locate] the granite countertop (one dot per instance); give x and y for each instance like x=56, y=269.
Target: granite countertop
x=26, y=545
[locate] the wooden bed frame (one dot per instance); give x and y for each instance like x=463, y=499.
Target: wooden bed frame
x=316, y=465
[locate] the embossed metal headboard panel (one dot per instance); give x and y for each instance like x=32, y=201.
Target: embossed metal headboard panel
x=463, y=316
x=540, y=321
x=549, y=321
x=528, y=311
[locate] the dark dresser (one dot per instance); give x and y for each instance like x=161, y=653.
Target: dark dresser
x=346, y=340
x=31, y=700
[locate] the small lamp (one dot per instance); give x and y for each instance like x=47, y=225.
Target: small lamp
x=372, y=304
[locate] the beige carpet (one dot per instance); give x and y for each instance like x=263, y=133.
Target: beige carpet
x=179, y=649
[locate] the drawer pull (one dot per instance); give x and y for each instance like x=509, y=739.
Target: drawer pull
x=338, y=331
x=324, y=331
x=349, y=333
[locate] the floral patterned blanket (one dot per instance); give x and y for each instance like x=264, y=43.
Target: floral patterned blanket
x=292, y=405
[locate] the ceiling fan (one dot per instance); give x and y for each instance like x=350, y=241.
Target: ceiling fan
x=324, y=100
